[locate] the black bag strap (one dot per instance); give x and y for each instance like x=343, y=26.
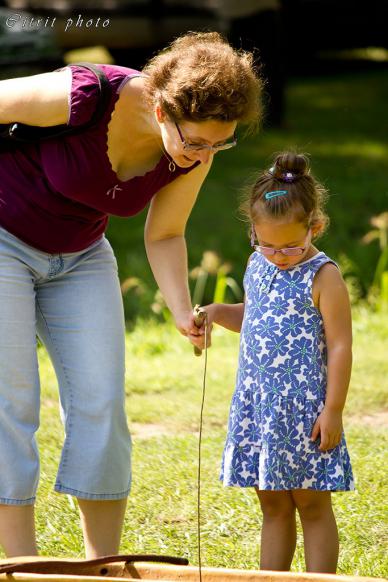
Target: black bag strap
x=105, y=93
x=72, y=567
x=20, y=132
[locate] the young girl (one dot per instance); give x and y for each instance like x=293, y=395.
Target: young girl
x=285, y=435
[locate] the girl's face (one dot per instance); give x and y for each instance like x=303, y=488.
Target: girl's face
x=284, y=235
x=206, y=135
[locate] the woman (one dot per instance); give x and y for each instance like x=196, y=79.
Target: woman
x=58, y=275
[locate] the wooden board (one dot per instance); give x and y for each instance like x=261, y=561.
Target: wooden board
x=151, y=572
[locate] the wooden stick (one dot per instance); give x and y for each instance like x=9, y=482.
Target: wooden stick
x=199, y=318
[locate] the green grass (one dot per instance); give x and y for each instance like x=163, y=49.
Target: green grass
x=163, y=387
x=341, y=122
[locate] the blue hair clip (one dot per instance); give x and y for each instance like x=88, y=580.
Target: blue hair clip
x=275, y=194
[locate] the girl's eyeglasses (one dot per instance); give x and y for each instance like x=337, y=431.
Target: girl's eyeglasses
x=190, y=147
x=287, y=251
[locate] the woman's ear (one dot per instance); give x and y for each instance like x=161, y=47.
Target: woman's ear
x=160, y=115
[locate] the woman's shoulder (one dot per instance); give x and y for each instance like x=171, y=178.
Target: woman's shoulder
x=85, y=88
x=111, y=71
x=119, y=72
x=84, y=79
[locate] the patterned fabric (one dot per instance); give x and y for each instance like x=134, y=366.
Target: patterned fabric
x=281, y=386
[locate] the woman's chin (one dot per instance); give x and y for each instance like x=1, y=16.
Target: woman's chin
x=184, y=161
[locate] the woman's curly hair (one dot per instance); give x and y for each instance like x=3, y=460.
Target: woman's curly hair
x=200, y=77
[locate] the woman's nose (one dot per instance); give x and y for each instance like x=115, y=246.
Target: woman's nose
x=204, y=155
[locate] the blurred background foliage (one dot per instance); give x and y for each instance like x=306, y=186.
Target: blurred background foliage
x=340, y=120
x=326, y=94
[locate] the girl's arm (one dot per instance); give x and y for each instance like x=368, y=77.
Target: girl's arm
x=41, y=100
x=334, y=305
x=227, y=315
x=166, y=246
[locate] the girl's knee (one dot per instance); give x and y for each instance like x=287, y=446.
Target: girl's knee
x=276, y=504
x=312, y=505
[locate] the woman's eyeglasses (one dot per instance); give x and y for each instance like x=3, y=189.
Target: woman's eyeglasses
x=287, y=251
x=191, y=147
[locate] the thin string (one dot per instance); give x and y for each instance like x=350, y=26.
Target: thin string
x=200, y=457
x=171, y=163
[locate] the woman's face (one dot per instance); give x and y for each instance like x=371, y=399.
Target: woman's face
x=206, y=135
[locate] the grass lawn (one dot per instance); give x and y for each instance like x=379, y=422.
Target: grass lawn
x=163, y=387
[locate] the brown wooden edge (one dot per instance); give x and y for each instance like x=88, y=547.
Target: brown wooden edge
x=52, y=566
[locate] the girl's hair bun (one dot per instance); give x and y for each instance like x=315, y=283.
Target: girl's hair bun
x=297, y=164
x=296, y=193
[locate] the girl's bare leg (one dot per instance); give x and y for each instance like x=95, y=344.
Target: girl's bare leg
x=319, y=530
x=278, y=537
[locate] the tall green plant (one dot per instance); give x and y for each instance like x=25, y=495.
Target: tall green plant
x=212, y=271
x=380, y=278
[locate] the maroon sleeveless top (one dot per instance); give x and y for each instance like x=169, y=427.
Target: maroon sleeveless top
x=56, y=196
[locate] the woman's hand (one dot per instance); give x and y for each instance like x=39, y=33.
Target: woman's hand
x=184, y=322
x=329, y=426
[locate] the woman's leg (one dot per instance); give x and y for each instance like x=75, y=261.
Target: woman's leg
x=278, y=536
x=319, y=529
x=19, y=400
x=17, y=530
x=80, y=320
x=102, y=523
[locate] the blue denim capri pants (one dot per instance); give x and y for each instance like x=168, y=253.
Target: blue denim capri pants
x=73, y=303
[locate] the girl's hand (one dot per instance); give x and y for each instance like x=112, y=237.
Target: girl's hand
x=329, y=426
x=211, y=311
x=184, y=322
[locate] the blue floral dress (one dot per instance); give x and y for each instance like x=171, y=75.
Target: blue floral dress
x=281, y=386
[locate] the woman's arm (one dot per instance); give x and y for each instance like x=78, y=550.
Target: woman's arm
x=41, y=100
x=334, y=306
x=166, y=246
